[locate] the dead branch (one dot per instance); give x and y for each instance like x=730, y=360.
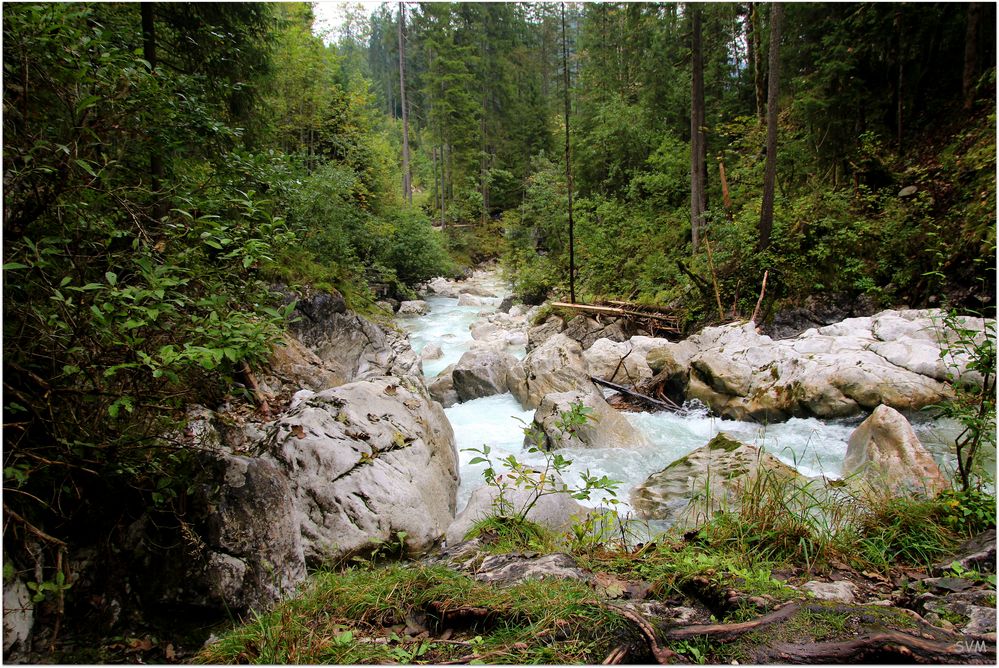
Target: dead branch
x=763, y=290
x=667, y=404
x=32, y=528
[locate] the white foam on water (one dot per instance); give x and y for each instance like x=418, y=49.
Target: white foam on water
x=814, y=447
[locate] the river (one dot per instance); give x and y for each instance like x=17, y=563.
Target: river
x=814, y=447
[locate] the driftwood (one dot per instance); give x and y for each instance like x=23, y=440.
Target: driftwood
x=666, y=405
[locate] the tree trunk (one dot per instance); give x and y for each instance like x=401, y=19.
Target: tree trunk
x=971, y=54
x=770, y=177
x=149, y=53
x=757, y=51
x=407, y=178
x=433, y=159
x=698, y=161
x=568, y=165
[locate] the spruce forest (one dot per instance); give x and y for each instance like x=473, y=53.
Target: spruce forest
x=225, y=225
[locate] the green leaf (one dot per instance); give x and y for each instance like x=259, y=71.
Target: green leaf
x=14, y=265
x=85, y=166
x=112, y=278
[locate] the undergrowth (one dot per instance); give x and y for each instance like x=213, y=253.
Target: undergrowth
x=361, y=616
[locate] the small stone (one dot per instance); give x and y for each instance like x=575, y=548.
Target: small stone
x=908, y=191
x=843, y=591
x=949, y=584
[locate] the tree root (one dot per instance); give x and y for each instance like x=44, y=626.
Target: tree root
x=663, y=655
x=722, y=632
x=889, y=646
x=923, y=644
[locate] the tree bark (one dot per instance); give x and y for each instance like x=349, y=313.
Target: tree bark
x=149, y=54
x=568, y=165
x=971, y=54
x=770, y=176
x=697, y=143
x=407, y=178
x=756, y=47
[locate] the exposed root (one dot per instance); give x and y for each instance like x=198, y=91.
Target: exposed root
x=663, y=655
x=889, y=646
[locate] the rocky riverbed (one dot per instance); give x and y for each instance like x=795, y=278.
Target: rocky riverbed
x=354, y=445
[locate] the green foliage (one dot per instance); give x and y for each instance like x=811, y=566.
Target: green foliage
x=974, y=406
x=905, y=530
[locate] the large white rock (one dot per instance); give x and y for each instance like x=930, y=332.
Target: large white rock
x=834, y=371
x=605, y=428
x=366, y=461
x=414, y=307
x=617, y=362
x=466, y=299
x=884, y=454
x=557, y=365
x=18, y=616
x=481, y=373
x=441, y=387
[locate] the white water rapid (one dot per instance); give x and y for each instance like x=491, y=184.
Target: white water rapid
x=813, y=446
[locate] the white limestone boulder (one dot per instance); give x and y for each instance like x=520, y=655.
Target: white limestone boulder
x=884, y=454
x=604, y=428
x=366, y=461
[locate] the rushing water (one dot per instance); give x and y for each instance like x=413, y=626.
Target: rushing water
x=814, y=447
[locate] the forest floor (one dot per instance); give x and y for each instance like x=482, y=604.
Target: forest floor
x=671, y=601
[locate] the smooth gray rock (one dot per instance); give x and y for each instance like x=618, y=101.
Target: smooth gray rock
x=839, y=370
x=505, y=570
x=356, y=347
x=557, y=365
x=537, y=335
x=441, y=388
x=476, y=291
x=617, y=362
x=365, y=461
x=587, y=330
x=697, y=486
x=884, y=454
x=251, y=539
x=481, y=373
x=605, y=428
x=293, y=366
x=414, y=307
x=841, y=591
x=432, y=351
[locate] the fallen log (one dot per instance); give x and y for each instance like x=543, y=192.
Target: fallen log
x=670, y=322
x=666, y=405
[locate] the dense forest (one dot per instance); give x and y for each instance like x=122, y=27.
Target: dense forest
x=172, y=171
